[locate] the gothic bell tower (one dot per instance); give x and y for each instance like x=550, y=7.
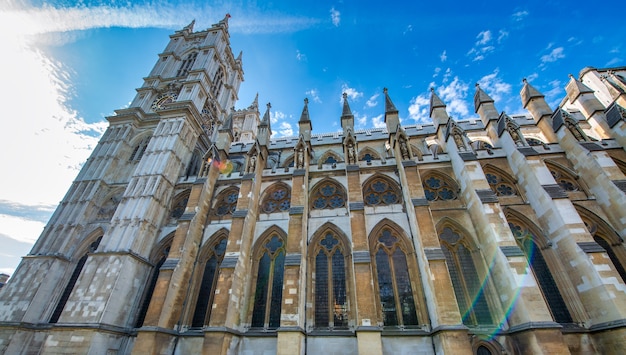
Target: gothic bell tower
x=90, y=266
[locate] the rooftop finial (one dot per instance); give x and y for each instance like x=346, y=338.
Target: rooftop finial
x=524, y=81
x=306, y=100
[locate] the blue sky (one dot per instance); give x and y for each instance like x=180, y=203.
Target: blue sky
x=68, y=64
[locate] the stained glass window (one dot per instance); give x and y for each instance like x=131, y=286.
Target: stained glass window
x=381, y=191
x=565, y=180
x=207, y=285
x=277, y=199
x=468, y=286
x=327, y=195
x=542, y=273
x=437, y=188
x=331, y=303
x=330, y=160
x=394, y=282
x=501, y=184
x=269, y=284
x=226, y=202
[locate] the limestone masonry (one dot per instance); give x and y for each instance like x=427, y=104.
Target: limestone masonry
x=190, y=230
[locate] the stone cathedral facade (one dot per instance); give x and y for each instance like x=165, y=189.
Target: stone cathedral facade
x=190, y=230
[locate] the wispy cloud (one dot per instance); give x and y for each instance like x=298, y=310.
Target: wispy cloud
x=482, y=46
x=335, y=16
x=378, y=121
x=314, y=94
x=519, y=15
x=300, y=57
x=502, y=35
x=352, y=93
x=285, y=129
x=443, y=56
x=483, y=38
x=494, y=86
x=553, y=56
x=454, y=95
x=371, y=102
x=419, y=109
x=276, y=116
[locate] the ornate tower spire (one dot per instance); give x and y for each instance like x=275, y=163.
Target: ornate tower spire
x=265, y=129
x=438, y=111
x=391, y=114
x=347, y=118
x=484, y=106
x=304, y=125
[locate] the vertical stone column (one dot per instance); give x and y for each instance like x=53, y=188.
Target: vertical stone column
x=368, y=334
x=450, y=335
x=235, y=268
x=168, y=299
x=291, y=334
x=520, y=303
x=564, y=227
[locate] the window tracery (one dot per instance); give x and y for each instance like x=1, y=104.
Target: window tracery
x=186, y=65
x=468, y=286
x=226, y=202
x=327, y=195
x=179, y=206
x=438, y=188
x=564, y=179
x=331, y=299
x=501, y=184
x=527, y=241
x=277, y=199
x=206, y=292
x=140, y=148
x=380, y=191
x=269, y=283
x=393, y=279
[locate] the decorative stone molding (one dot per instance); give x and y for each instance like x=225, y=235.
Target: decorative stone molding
x=296, y=210
x=419, y=202
x=299, y=172
x=230, y=261
x=555, y=191
x=169, y=264
x=408, y=163
x=591, y=247
x=357, y=206
x=351, y=168
x=361, y=256
x=487, y=196
x=240, y=213
x=467, y=156
x=434, y=254
x=511, y=251
x=293, y=259
x=621, y=184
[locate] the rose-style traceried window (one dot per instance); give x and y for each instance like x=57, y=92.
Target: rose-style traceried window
x=567, y=183
x=438, y=188
x=277, y=199
x=501, y=184
x=226, y=202
x=381, y=191
x=328, y=194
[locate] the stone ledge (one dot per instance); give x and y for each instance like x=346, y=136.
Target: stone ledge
x=299, y=172
x=487, y=196
x=357, y=206
x=555, y=191
x=240, y=214
x=248, y=176
x=533, y=325
x=296, y=210
x=434, y=254
x=468, y=156
x=229, y=261
x=591, y=247
x=621, y=184
x=620, y=323
x=409, y=163
x=352, y=168
x=293, y=259
x=511, y=250
x=360, y=256
x=419, y=202
x=449, y=328
x=186, y=217
x=169, y=264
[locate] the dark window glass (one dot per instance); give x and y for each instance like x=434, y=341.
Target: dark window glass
x=482, y=350
x=226, y=203
x=207, y=285
x=277, y=200
x=609, y=250
x=269, y=286
x=379, y=191
x=331, y=304
x=329, y=195
x=438, y=189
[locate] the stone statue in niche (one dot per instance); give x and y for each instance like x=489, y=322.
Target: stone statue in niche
x=351, y=154
x=404, y=149
x=251, y=163
x=458, y=139
x=300, y=158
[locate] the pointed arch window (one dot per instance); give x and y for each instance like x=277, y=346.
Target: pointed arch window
x=566, y=180
x=527, y=241
x=140, y=148
x=194, y=164
x=218, y=81
x=179, y=206
x=143, y=309
x=501, y=184
x=381, y=191
x=327, y=195
x=226, y=203
x=277, y=199
x=210, y=274
x=606, y=237
x=439, y=188
x=269, y=283
x=394, y=283
x=468, y=286
x=186, y=65
x=331, y=299
x=72, y=282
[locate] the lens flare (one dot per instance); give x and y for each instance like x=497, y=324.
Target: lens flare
x=225, y=167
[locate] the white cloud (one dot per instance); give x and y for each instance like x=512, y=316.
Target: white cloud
x=532, y=77
x=483, y=38
x=21, y=229
x=299, y=56
x=502, y=35
x=613, y=61
x=409, y=28
x=443, y=56
x=453, y=95
x=371, y=102
x=361, y=120
x=494, y=86
x=314, y=94
x=285, y=130
x=378, y=121
x=275, y=116
x=553, y=56
x=520, y=15
x=335, y=16
x=352, y=93
x=555, y=94
x=419, y=109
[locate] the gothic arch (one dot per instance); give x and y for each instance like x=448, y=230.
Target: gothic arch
x=396, y=277
x=380, y=189
x=276, y=198
x=481, y=144
x=373, y=154
x=606, y=237
x=109, y=204
x=327, y=194
x=289, y=162
x=195, y=163
x=564, y=176
x=328, y=157
x=470, y=277
x=158, y=255
x=501, y=182
x=416, y=152
x=179, y=203
x=268, y=266
x=330, y=280
x=205, y=278
x=225, y=203
x=139, y=144
x=544, y=264
x=439, y=186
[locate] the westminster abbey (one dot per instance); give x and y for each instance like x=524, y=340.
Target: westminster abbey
x=190, y=230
